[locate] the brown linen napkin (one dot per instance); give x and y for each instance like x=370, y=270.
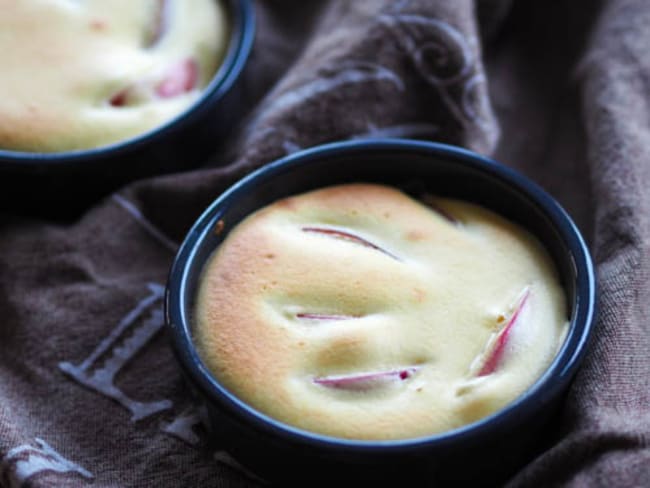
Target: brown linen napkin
x=90, y=394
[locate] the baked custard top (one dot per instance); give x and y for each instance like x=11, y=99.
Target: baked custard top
x=83, y=74
x=358, y=312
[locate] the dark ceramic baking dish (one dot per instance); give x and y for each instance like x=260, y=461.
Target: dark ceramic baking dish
x=483, y=453
x=63, y=182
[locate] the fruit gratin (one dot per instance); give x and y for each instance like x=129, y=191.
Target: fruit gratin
x=359, y=312
x=85, y=74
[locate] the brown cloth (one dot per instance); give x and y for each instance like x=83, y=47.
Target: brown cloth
x=90, y=394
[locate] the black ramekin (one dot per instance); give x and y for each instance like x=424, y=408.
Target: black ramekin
x=60, y=183
x=483, y=453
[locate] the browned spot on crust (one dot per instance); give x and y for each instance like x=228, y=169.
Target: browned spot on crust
x=419, y=294
x=286, y=203
x=98, y=25
x=415, y=235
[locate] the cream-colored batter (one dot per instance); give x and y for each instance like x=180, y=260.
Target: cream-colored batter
x=359, y=312
x=78, y=74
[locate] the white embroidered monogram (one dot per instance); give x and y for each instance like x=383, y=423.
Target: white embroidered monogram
x=23, y=462
x=99, y=369
x=184, y=426
x=414, y=130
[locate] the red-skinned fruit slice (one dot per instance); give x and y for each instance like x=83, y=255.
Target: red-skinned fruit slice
x=324, y=316
x=347, y=236
x=131, y=95
x=495, y=353
x=181, y=77
x=365, y=381
x=120, y=99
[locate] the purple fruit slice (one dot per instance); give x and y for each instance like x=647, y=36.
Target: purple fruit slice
x=495, y=352
x=348, y=236
x=365, y=381
x=181, y=77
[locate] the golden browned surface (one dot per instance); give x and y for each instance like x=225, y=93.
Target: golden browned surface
x=358, y=312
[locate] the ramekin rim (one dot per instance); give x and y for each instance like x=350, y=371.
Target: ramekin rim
x=545, y=388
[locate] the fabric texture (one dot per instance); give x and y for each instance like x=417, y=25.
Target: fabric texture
x=90, y=394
